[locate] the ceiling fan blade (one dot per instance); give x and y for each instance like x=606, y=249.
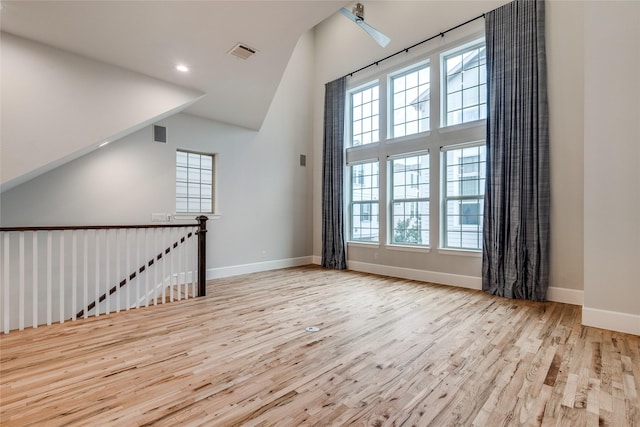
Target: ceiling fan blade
x=348, y=14
x=377, y=35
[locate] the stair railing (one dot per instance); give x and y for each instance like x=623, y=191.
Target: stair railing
x=68, y=272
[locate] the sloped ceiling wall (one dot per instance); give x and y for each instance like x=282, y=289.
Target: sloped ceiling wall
x=57, y=106
x=77, y=73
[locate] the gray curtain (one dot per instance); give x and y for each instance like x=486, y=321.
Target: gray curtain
x=515, y=262
x=333, y=247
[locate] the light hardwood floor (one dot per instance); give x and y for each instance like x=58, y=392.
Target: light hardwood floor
x=389, y=352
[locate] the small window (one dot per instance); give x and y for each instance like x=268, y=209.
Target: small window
x=465, y=85
x=365, y=214
x=194, y=182
x=463, y=202
x=410, y=200
x=365, y=116
x=411, y=94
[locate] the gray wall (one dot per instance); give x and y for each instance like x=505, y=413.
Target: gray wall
x=612, y=157
x=264, y=195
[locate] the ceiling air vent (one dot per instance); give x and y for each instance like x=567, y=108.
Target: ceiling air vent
x=242, y=51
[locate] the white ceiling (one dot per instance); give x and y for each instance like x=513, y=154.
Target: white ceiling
x=152, y=37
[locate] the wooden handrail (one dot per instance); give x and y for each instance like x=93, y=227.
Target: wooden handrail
x=96, y=227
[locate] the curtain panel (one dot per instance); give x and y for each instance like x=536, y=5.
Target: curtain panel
x=515, y=260
x=333, y=246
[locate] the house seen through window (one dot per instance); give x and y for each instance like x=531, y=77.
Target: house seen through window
x=463, y=196
x=364, y=202
x=410, y=199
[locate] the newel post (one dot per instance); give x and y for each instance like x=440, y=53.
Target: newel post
x=202, y=255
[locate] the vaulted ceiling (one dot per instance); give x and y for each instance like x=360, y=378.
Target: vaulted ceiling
x=152, y=37
x=78, y=73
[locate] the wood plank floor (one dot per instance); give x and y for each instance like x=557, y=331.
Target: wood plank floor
x=389, y=352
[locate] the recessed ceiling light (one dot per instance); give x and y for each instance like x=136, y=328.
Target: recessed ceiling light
x=182, y=68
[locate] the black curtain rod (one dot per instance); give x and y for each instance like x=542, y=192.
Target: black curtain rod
x=406, y=49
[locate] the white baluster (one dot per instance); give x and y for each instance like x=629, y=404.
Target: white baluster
x=128, y=269
x=96, y=297
x=179, y=257
x=117, y=293
x=155, y=266
x=107, y=249
x=138, y=281
x=171, y=262
x=21, y=282
x=146, y=267
x=194, y=251
x=164, y=264
x=61, y=282
x=34, y=282
x=49, y=278
x=85, y=286
x=185, y=248
x=74, y=273
x=5, y=284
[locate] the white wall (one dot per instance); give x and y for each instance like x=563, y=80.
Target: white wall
x=264, y=197
x=611, y=162
x=342, y=47
x=57, y=106
x=565, y=59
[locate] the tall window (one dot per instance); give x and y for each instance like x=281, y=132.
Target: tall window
x=194, y=182
x=410, y=199
x=365, y=215
x=411, y=93
x=464, y=83
x=464, y=178
x=365, y=127
x=395, y=115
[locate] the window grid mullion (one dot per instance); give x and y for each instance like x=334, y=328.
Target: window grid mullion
x=194, y=200
x=392, y=146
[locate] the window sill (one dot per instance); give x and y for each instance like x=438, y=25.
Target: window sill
x=192, y=216
x=408, y=248
x=363, y=146
x=461, y=126
x=461, y=252
x=408, y=138
x=364, y=244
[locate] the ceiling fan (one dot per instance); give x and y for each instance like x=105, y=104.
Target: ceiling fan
x=357, y=16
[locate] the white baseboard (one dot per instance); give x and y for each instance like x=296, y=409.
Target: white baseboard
x=567, y=296
x=612, y=320
x=235, y=270
x=469, y=282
